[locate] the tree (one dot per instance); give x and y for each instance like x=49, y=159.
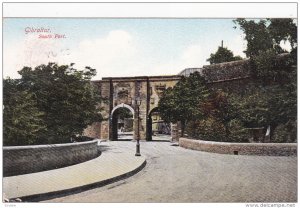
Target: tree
x=275, y=99
x=264, y=40
x=182, y=103
x=222, y=109
x=283, y=30
x=267, y=34
x=22, y=120
x=257, y=36
x=66, y=98
x=267, y=106
x=222, y=55
x=253, y=109
x=271, y=68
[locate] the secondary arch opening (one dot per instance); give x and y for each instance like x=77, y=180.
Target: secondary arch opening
x=158, y=129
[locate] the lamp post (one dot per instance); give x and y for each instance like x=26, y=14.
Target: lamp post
x=137, y=103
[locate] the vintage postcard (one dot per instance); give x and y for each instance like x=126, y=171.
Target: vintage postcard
x=150, y=103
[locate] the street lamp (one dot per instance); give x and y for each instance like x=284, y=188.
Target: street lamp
x=137, y=102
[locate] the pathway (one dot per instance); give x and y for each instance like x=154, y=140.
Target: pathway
x=175, y=174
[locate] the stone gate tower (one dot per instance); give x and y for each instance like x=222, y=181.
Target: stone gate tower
x=119, y=92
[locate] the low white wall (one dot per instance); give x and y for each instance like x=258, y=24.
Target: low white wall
x=271, y=149
x=19, y=160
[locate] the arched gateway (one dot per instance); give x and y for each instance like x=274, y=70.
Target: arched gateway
x=120, y=92
x=232, y=76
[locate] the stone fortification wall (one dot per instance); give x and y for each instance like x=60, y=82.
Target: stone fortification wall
x=29, y=159
x=227, y=71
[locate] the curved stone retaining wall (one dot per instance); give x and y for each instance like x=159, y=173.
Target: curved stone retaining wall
x=19, y=160
x=271, y=149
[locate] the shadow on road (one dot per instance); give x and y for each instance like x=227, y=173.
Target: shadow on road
x=159, y=140
x=104, y=148
x=124, y=140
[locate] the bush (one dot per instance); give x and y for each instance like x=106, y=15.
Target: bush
x=272, y=68
x=80, y=138
x=212, y=130
x=237, y=132
x=285, y=132
x=208, y=129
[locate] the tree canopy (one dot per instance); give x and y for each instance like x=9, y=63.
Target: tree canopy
x=267, y=34
x=270, y=99
x=62, y=97
x=274, y=100
x=22, y=120
x=222, y=55
x=182, y=103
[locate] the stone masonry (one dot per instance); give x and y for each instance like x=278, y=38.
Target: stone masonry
x=119, y=92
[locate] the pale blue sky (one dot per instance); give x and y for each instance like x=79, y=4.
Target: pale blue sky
x=119, y=47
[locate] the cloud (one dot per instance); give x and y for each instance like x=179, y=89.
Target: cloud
x=238, y=45
x=191, y=56
x=31, y=52
x=110, y=55
x=196, y=54
x=117, y=53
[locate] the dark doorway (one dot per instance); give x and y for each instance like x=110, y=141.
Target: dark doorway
x=158, y=129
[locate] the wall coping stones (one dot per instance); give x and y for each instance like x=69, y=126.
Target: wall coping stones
x=18, y=160
x=47, y=145
x=270, y=149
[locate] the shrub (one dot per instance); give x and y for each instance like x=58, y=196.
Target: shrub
x=208, y=129
x=285, y=132
x=212, y=130
x=237, y=132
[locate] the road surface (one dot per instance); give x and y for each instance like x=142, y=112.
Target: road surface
x=175, y=174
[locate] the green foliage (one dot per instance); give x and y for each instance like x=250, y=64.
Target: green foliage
x=64, y=96
x=270, y=68
x=263, y=46
x=123, y=113
x=283, y=30
x=222, y=55
x=167, y=106
x=182, y=103
x=286, y=132
x=257, y=36
x=267, y=34
x=22, y=120
x=253, y=109
x=208, y=129
x=264, y=106
x=282, y=103
x=274, y=103
x=222, y=110
x=238, y=133
x=220, y=123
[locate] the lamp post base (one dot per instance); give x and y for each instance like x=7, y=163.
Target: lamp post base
x=138, y=150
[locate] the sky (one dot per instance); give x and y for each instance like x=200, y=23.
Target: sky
x=117, y=47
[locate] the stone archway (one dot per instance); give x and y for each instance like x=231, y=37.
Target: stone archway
x=114, y=119
x=122, y=92
x=156, y=126
x=123, y=105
